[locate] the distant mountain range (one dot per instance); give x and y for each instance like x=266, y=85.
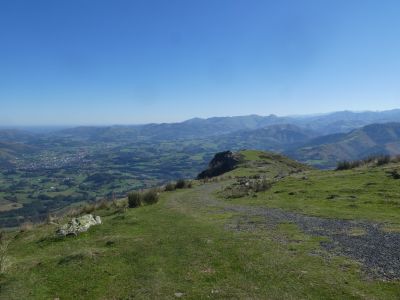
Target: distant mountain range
x=276, y=138
x=48, y=170
x=197, y=128
x=326, y=151
x=320, y=140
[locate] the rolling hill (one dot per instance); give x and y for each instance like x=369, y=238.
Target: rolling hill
x=273, y=138
x=373, y=139
x=215, y=126
x=9, y=151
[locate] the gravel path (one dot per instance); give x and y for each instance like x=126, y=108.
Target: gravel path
x=376, y=250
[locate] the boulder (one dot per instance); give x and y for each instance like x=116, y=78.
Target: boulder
x=221, y=163
x=78, y=225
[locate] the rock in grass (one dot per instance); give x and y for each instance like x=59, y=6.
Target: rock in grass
x=179, y=295
x=78, y=225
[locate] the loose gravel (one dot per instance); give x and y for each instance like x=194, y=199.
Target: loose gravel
x=378, y=251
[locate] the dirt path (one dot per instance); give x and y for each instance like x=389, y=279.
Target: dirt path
x=378, y=251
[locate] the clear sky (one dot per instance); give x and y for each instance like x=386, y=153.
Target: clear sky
x=126, y=62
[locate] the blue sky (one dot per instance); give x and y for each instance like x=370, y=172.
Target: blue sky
x=125, y=62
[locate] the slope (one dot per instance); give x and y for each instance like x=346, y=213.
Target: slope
x=196, y=244
x=369, y=140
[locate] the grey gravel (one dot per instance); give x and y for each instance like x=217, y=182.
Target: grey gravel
x=378, y=251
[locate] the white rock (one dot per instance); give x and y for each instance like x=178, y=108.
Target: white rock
x=78, y=225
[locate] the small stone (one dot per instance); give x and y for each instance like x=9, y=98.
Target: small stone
x=178, y=295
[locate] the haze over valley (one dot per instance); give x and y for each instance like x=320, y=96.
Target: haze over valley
x=230, y=149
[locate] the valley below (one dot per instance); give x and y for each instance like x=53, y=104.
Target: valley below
x=45, y=173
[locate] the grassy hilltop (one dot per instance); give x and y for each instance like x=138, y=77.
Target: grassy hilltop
x=271, y=228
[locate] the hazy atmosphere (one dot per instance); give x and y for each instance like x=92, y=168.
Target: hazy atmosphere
x=209, y=149
x=128, y=62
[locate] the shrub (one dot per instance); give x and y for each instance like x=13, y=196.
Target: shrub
x=343, y=165
x=170, y=187
x=180, y=184
x=134, y=200
x=150, y=197
x=383, y=160
x=395, y=174
x=378, y=160
x=347, y=165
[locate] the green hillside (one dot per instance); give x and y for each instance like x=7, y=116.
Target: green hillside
x=9, y=151
x=271, y=228
x=373, y=139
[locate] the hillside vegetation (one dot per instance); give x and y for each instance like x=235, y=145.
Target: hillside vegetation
x=373, y=139
x=291, y=233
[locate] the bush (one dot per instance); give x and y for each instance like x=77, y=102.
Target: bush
x=150, y=197
x=395, y=174
x=383, y=160
x=170, y=187
x=134, y=200
x=378, y=160
x=343, y=165
x=180, y=184
x=137, y=199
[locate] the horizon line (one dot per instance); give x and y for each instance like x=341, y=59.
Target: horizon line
x=3, y=126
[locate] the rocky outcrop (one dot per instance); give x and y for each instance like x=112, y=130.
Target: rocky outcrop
x=78, y=225
x=221, y=163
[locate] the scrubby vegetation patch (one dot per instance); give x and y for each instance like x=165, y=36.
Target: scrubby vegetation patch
x=375, y=160
x=136, y=199
x=246, y=186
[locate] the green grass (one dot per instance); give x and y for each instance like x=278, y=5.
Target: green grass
x=174, y=247
x=266, y=164
x=252, y=155
x=369, y=194
x=182, y=244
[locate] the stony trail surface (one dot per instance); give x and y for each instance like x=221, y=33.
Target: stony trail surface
x=365, y=242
